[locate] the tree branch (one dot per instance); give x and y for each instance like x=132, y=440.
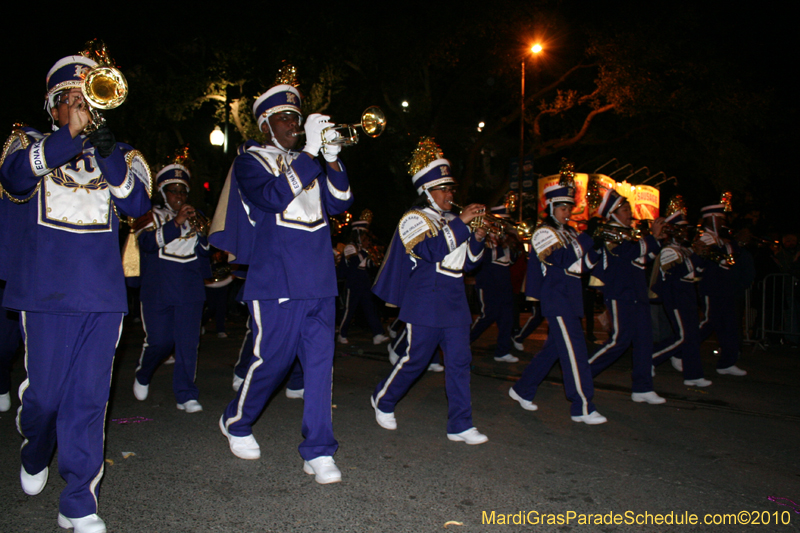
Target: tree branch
x=556, y=144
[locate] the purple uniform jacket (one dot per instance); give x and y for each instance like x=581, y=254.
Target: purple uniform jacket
x=68, y=255
x=273, y=216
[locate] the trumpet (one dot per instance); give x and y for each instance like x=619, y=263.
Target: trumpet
x=490, y=222
x=678, y=232
x=713, y=254
x=618, y=234
x=104, y=86
x=373, y=122
x=200, y=223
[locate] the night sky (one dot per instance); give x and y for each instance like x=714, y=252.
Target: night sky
x=470, y=81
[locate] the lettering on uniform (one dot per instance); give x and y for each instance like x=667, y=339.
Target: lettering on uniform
x=37, y=159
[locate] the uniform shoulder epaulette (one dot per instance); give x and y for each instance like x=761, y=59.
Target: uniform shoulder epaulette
x=19, y=139
x=350, y=250
x=545, y=241
x=414, y=227
x=138, y=167
x=669, y=257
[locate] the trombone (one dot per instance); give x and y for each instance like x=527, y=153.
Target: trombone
x=373, y=122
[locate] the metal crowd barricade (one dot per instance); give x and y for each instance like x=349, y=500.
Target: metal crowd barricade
x=780, y=313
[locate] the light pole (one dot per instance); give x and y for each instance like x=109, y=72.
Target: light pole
x=536, y=49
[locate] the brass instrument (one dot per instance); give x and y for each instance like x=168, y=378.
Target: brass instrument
x=200, y=223
x=104, y=87
x=499, y=225
x=618, y=234
x=715, y=255
x=679, y=232
x=373, y=122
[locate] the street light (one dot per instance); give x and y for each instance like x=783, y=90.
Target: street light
x=536, y=49
x=217, y=137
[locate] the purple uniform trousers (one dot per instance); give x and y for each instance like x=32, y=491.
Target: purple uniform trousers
x=10, y=338
x=719, y=316
x=631, y=324
x=494, y=309
x=684, y=344
x=166, y=327
x=531, y=324
x=64, y=398
x=355, y=298
x=566, y=343
x=246, y=357
x=422, y=342
x=282, y=332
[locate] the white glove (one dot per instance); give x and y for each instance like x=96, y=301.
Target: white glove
x=331, y=151
x=315, y=123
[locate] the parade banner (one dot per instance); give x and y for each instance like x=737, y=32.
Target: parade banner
x=645, y=202
x=644, y=199
x=580, y=211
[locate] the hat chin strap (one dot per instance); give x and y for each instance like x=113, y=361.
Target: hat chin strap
x=433, y=203
x=275, y=142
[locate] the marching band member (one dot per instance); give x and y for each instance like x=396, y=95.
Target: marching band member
x=422, y=275
x=10, y=336
x=273, y=216
x=674, y=278
x=495, y=293
x=175, y=261
x=558, y=257
x=621, y=269
x=69, y=286
x=359, y=269
x=717, y=291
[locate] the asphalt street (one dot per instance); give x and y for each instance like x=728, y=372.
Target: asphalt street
x=727, y=452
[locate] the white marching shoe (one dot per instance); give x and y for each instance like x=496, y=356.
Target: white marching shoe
x=647, y=397
x=732, y=371
x=518, y=345
x=192, y=406
x=699, y=382
x=237, y=383
x=5, y=402
x=435, y=367
x=242, y=447
x=471, y=436
x=393, y=357
x=384, y=420
x=140, y=391
x=379, y=339
x=323, y=469
x=507, y=358
x=33, y=484
x=592, y=419
x=526, y=404
x=342, y=340
x=677, y=364
x=86, y=524
x=295, y=394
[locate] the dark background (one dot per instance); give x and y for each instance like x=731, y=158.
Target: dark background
x=701, y=92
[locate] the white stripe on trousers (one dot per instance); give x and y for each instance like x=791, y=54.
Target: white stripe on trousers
x=256, y=316
x=613, y=342
x=681, y=336
x=574, y=365
x=396, y=368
